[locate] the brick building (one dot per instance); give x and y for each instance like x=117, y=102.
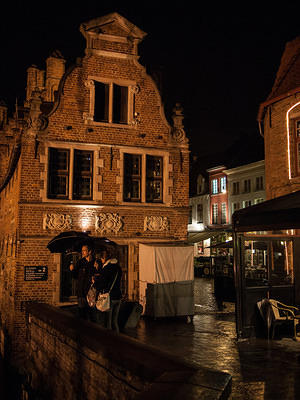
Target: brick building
x=279, y=119
x=90, y=150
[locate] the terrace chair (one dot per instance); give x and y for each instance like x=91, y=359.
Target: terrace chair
x=283, y=315
x=275, y=313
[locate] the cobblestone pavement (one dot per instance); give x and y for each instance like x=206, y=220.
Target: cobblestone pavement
x=260, y=369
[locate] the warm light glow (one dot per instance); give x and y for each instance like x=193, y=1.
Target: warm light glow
x=85, y=222
x=288, y=137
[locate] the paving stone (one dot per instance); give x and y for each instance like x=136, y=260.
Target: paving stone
x=260, y=369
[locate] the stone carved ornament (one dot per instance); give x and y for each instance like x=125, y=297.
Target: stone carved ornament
x=156, y=223
x=57, y=222
x=108, y=222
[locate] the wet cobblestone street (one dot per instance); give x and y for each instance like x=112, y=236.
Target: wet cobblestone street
x=260, y=369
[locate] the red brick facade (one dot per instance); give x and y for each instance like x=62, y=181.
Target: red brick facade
x=59, y=113
x=279, y=118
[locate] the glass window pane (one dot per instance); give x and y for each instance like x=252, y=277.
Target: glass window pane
x=101, y=102
x=58, y=173
x=268, y=262
x=120, y=104
x=83, y=174
x=154, y=184
x=132, y=177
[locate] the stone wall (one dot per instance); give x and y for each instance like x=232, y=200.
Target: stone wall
x=68, y=358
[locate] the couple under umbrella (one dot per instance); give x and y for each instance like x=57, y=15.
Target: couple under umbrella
x=105, y=274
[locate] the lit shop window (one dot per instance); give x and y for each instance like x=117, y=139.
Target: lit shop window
x=70, y=180
x=143, y=178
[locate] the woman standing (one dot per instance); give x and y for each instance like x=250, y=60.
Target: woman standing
x=111, y=274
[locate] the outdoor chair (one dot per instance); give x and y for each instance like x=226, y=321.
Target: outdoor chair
x=275, y=313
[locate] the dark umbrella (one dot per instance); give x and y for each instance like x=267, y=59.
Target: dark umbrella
x=69, y=241
x=101, y=243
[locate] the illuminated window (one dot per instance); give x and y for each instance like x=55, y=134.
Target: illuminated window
x=223, y=213
x=297, y=139
x=246, y=203
x=223, y=184
x=235, y=187
x=214, y=186
x=215, y=213
x=136, y=178
x=61, y=172
x=259, y=200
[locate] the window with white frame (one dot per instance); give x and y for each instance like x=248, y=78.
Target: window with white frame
x=143, y=178
x=215, y=213
x=111, y=101
x=247, y=186
x=223, y=184
x=223, y=213
x=70, y=174
x=214, y=186
x=235, y=207
x=199, y=213
x=259, y=183
x=190, y=214
x=246, y=203
x=235, y=188
x=259, y=200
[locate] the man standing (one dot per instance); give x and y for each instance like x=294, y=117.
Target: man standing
x=83, y=272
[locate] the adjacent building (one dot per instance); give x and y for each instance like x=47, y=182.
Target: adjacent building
x=246, y=186
x=279, y=122
x=89, y=150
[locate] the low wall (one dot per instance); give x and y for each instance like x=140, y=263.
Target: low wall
x=69, y=358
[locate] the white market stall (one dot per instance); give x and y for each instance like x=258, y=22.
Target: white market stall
x=166, y=279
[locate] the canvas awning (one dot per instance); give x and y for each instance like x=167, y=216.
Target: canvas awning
x=276, y=214
x=197, y=237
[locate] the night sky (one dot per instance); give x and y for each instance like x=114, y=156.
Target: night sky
x=220, y=62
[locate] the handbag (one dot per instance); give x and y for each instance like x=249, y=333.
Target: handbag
x=91, y=296
x=103, y=300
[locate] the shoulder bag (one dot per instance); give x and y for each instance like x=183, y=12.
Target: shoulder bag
x=91, y=296
x=103, y=300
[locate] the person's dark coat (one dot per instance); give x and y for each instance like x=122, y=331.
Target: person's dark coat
x=106, y=278
x=83, y=272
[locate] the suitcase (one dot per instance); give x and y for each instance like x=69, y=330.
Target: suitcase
x=129, y=315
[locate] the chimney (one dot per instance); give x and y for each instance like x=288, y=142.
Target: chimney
x=55, y=69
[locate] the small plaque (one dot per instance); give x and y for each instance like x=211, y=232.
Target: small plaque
x=35, y=273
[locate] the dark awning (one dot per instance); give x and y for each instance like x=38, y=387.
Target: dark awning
x=280, y=213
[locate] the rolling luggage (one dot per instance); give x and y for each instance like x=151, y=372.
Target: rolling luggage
x=129, y=315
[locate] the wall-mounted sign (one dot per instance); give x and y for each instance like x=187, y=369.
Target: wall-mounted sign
x=35, y=273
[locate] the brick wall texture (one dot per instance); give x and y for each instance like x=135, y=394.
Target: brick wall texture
x=24, y=203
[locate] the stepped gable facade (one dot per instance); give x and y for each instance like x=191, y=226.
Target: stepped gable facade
x=89, y=150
